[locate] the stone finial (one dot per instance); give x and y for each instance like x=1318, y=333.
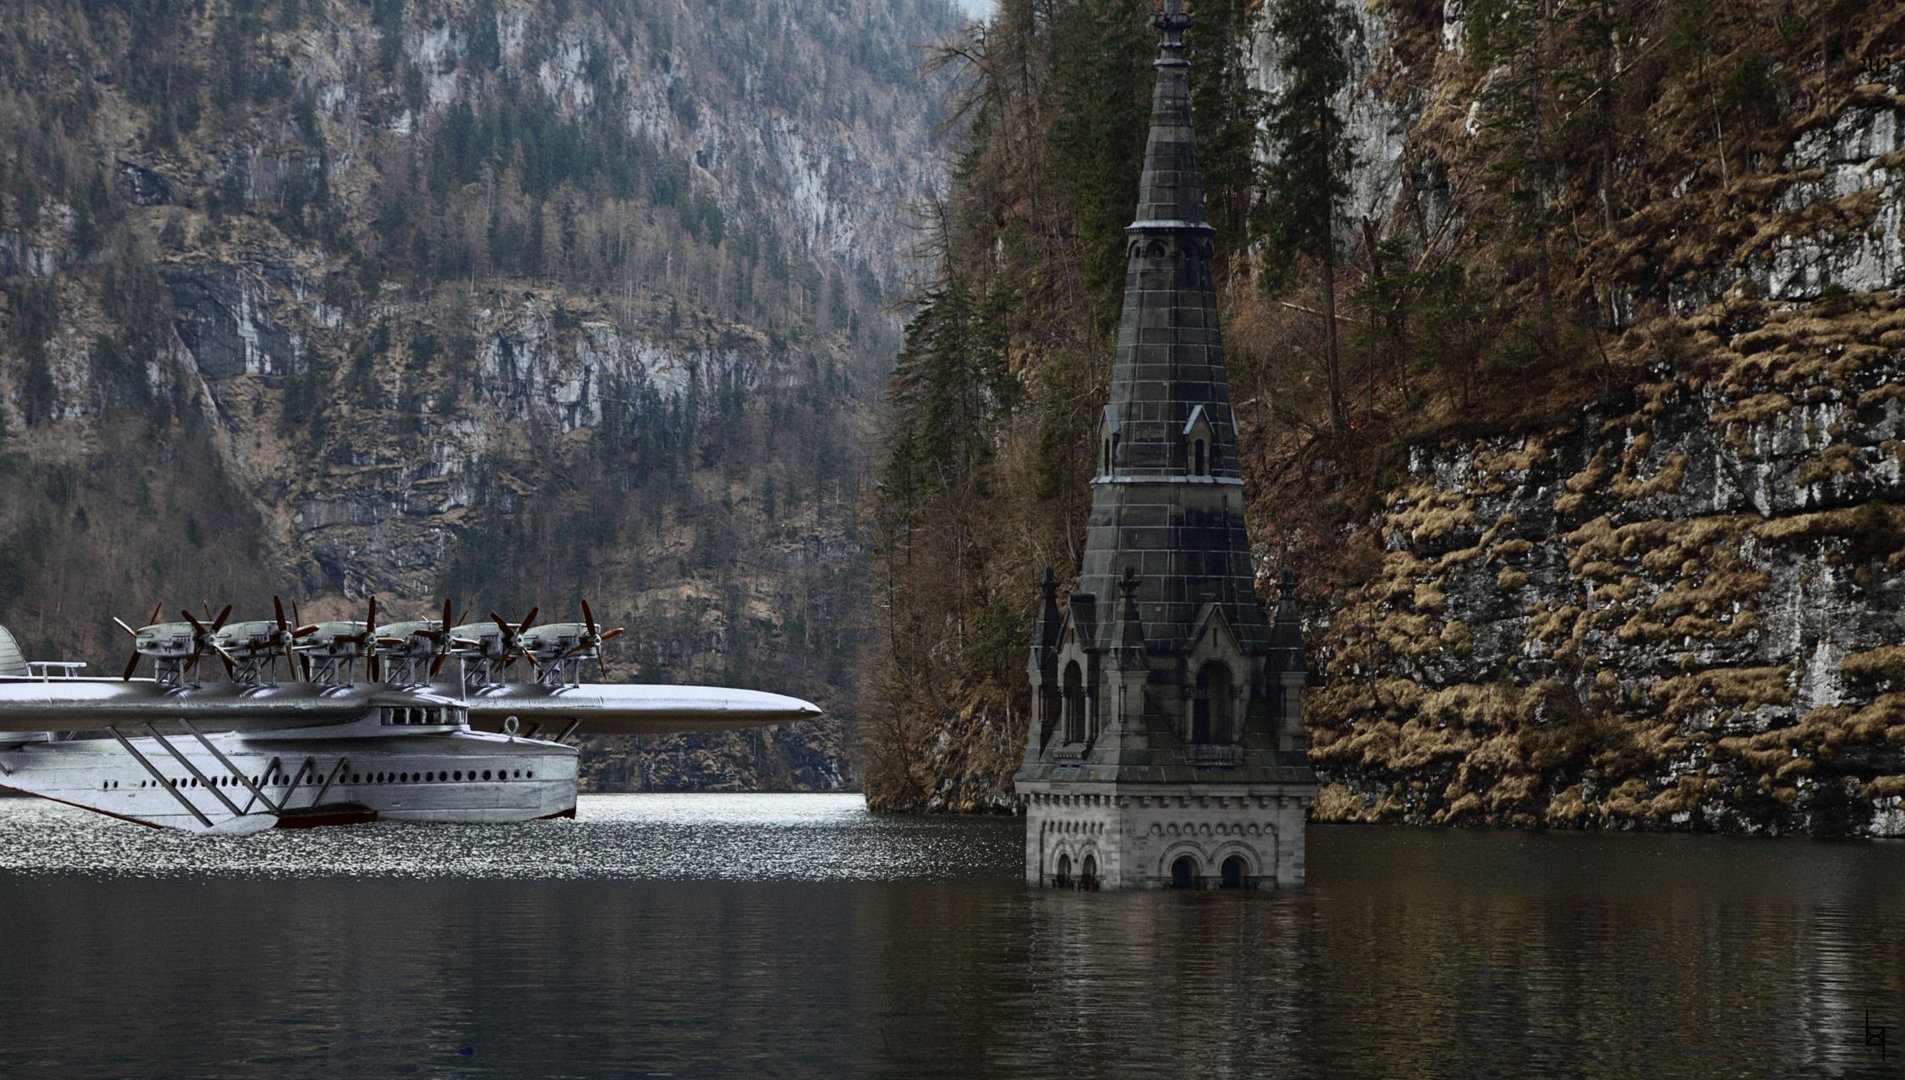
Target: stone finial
x=1172, y=20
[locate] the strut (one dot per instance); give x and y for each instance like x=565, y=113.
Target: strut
x=159, y=777
x=204, y=781
x=225, y=761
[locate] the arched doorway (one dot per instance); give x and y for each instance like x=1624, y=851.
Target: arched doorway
x=1088, y=872
x=1211, y=706
x=1063, y=878
x=1184, y=873
x=1233, y=873
x=1074, y=703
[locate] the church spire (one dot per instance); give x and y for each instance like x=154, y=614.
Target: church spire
x=1165, y=707
x=1171, y=194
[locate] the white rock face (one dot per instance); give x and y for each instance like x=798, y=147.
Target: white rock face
x=1378, y=128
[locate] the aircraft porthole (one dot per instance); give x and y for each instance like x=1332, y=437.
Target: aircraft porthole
x=486, y=774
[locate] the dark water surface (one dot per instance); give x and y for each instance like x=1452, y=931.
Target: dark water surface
x=798, y=935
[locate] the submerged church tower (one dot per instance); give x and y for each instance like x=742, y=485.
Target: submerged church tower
x=1166, y=746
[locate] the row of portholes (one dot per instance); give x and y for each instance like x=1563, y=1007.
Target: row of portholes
x=459, y=776
x=279, y=779
x=193, y=781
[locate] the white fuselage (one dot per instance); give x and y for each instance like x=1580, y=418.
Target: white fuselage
x=346, y=773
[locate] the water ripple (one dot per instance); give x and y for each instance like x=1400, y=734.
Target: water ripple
x=649, y=837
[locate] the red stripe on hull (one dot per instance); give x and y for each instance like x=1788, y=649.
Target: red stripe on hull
x=97, y=810
x=305, y=819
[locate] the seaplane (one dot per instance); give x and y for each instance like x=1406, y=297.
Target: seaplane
x=420, y=720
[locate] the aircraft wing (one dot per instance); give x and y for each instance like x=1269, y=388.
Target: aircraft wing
x=630, y=709
x=92, y=704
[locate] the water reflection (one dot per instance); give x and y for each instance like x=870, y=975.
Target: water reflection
x=894, y=947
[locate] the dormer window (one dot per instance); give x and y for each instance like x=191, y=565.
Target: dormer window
x=1111, y=438
x=1200, y=444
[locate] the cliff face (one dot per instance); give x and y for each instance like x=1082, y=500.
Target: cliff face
x=515, y=304
x=1593, y=476
x=1680, y=610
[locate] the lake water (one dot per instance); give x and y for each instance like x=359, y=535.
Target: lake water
x=798, y=935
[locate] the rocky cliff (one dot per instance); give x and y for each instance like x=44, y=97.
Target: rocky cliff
x=516, y=304
x=1593, y=478
x=1680, y=608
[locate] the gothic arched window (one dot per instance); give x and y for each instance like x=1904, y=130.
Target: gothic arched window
x=1074, y=703
x=1211, y=706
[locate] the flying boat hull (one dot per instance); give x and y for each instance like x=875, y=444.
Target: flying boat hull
x=237, y=783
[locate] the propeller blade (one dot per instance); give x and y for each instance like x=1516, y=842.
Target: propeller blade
x=437, y=664
x=132, y=665
x=529, y=620
x=278, y=606
x=446, y=615
x=305, y=631
x=197, y=627
x=578, y=650
x=432, y=635
x=231, y=666
x=501, y=625
x=219, y=623
x=531, y=657
x=123, y=626
x=291, y=661
x=610, y=635
x=600, y=659
x=155, y=613
x=588, y=617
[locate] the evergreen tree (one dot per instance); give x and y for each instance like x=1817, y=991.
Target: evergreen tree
x=1228, y=112
x=1311, y=159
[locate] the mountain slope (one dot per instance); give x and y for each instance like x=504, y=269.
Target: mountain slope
x=512, y=303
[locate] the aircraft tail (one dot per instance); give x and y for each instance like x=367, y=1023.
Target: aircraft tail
x=12, y=660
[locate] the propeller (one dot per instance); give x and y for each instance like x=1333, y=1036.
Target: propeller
x=442, y=637
x=202, y=638
x=593, y=640
x=286, y=637
x=364, y=641
x=132, y=665
x=512, y=636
